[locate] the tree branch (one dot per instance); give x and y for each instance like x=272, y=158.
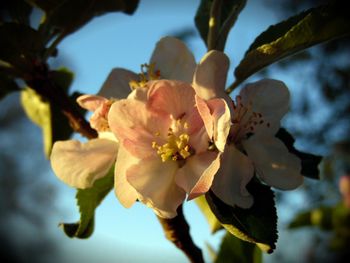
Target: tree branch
x=41, y=81
x=178, y=232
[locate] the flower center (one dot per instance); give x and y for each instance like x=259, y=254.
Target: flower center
x=176, y=147
x=245, y=121
x=148, y=73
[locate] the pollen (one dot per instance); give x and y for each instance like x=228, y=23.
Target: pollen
x=148, y=73
x=176, y=148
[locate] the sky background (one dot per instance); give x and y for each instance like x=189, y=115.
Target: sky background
x=118, y=40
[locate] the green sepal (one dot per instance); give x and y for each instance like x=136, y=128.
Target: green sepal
x=88, y=200
x=309, y=162
x=233, y=249
x=299, y=32
x=257, y=224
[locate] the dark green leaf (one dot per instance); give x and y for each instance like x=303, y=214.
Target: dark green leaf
x=20, y=45
x=309, y=162
x=230, y=10
x=7, y=85
x=257, y=224
x=212, y=220
x=62, y=78
x=68, y=16
x=88, y=200
x=233, y=249
x=293, y=35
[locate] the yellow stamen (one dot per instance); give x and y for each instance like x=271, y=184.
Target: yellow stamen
x=148, y=73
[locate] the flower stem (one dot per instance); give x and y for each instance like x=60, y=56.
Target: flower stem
x=178, y=232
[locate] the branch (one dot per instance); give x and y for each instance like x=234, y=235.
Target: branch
x=178, y=232
x=42, y=83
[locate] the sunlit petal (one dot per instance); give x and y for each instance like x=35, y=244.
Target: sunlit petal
x=81, y=164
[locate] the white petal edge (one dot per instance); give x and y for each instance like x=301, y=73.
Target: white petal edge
x=174, y=60
x=125, y=193
x=230, y=182
x=81, y=164
x=210, y=76
x=274, y=164
x=117, y=84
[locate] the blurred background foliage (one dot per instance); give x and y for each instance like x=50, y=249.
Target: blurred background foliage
x=319, y=120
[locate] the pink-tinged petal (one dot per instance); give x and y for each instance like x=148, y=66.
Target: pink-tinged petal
x=210, y=76
x=125, y=193
x=154, y=181
x=196, y=176
x=174, y=60
x=117, y=84
x=91, y=102
x=217, y=120
x=81, y=164
x=269, y=97
x=200, y=141
x=221, y=120
x=274, y=164
x=204, y=111
x=136, y=127
x=230, y=182
x=171, y=97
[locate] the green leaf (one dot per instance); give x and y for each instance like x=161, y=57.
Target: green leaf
x=48, y=116
x=213, y=222
x=230, y=10
x=299, y=32
x=7, y=85
x=88, y=200
x=68, y=16
x=320, y=217
x=257, y=224
x=233, y=249
x=20, y=45
x=39, y=111
x=309, y=162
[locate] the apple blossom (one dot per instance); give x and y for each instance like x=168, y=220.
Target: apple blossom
x=252, y=147
x=161, y=146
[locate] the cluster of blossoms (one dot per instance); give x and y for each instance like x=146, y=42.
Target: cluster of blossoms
x=173, y=133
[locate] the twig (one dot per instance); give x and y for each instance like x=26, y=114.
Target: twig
x=178, y=232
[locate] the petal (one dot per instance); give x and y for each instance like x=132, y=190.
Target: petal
x=197, y=175
x=274, y=164
x=91, y=102
x=154, y=181
x=217, y=120
x=174, y=60
x=221, y=120
x=136, y=127
x=117, y=84
x=171, y=97
x=230, y=182
x=81, y=164
x=210, y=76
x=269, y=97
x=125, y=193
